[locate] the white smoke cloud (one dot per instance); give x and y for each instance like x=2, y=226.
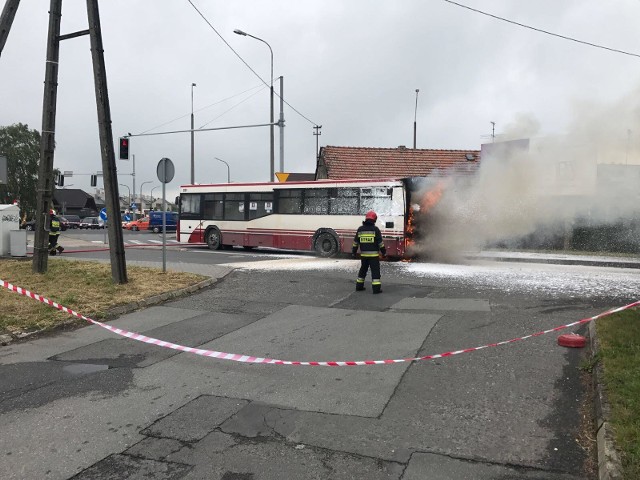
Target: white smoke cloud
x=541, y=186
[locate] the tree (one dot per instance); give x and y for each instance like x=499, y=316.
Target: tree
x=21, y=146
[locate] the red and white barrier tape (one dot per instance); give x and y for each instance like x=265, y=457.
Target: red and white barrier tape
x=236, y=357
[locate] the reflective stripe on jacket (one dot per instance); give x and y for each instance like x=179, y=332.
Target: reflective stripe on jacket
x=369, y=239
x=54, y=227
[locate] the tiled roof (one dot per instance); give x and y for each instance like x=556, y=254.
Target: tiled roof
x=365, y=162
x=73, y=197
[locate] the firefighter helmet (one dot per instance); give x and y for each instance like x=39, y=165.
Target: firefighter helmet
x=52, y=212
x=371, y=215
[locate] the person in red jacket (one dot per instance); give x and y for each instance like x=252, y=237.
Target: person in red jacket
x=369, y=239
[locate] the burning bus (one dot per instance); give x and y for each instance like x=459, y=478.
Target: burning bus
x=320, y=216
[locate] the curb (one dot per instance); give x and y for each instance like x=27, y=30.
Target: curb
x=560, y=261
x=117, y=311
x=609, y=464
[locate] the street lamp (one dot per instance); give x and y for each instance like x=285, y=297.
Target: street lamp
x=127, y=187
x=228, y=169
x=151, y=194
x=272, y=153
x=141, y=199
x=192, y=140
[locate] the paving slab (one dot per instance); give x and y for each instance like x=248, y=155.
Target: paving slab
x=192, y=332
x=117, y=467
x=313, y=333
x=442, y=467
x=443, y=304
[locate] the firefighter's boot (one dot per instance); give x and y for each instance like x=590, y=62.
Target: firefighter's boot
x=359, y=284
x=60, y=249
x=376, y=286
x=52, y=252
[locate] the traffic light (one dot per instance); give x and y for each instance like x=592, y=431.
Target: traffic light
x=94, y=180
x=124, y=148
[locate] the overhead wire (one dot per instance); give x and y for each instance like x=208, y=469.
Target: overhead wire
x=542, y=31
x=232, y=107
x=204, y=108
x=246, y=64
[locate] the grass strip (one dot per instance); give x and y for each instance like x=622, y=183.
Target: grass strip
x=86, y=287
x=619, y=336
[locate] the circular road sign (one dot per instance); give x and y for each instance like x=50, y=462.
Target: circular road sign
x=165, y=170
x=103, y=214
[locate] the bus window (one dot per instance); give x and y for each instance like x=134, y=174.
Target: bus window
x=234, y=206
x=260, y=205
x=377, y=199
x=316, y=201
x=344, y=201
x=290, y=201
x=213, y=203
x=190, y=205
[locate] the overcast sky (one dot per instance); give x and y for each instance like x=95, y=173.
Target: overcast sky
x=350, y=66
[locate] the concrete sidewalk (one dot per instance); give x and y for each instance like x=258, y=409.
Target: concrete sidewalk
x=564, y=258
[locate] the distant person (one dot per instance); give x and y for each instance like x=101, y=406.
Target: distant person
x=369, y=239
x=54, y=233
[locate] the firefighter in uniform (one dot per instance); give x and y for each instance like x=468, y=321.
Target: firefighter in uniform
x=369, y=239
x=54, y=233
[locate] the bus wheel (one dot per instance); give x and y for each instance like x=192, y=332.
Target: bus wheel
x=156, y=229
x=213, y=238
x=326, y=245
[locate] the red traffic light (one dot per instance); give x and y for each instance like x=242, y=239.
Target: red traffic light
x=124, y=148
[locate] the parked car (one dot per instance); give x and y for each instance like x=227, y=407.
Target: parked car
x=139, y=224
x=90, y=223
x=155, y=221
x=73, y=221
x=64, y=223
x=30, y=225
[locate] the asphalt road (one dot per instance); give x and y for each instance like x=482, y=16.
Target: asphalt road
x=91, y=405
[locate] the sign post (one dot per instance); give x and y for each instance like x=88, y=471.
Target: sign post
x=103, y=217
x=165, y=171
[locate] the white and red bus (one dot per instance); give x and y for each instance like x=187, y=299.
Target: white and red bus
x=320, y=216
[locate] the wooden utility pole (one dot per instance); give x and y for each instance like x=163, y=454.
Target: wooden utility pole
x=116, y=241
x=47, y=139
x=6, y=19
x=47, y=143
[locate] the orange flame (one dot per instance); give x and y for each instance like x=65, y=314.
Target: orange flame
x=429, y=200
x=432, y=197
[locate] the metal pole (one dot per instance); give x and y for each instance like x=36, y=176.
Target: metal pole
x=415, y=118
x=228, y=169
x=164, y=218
x=116, y=242
x=281, y=123
x=142, y=185
x=193, y=148
x=272, y=152
x=128, y=190
x=271, y=132
x=47, y=139
x=133, y=179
